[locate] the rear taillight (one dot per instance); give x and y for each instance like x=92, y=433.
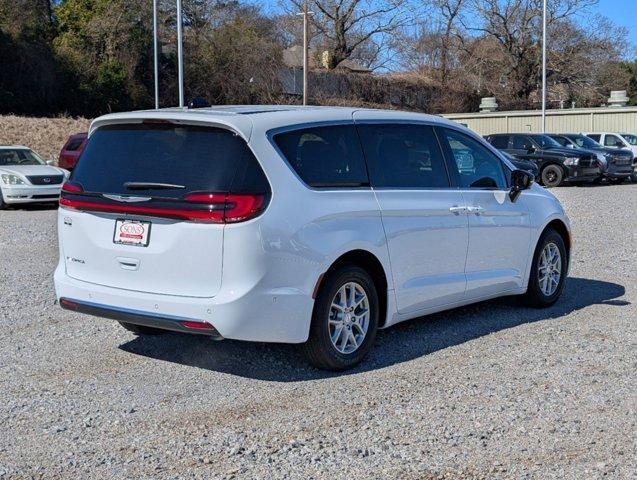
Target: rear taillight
x=195, y=207
x=229, y=208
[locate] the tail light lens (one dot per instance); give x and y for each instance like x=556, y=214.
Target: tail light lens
x=231, y=207
x=195, y=207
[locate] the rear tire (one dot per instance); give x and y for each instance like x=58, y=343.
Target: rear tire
x=548, y=271
x=552, y=176
x=344, y=320
x=141, y=330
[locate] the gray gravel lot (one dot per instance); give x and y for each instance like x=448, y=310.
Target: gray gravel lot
x=488, y=391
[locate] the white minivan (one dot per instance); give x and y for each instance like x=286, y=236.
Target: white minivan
x=308, y=225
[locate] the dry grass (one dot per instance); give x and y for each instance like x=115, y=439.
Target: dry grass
x=44, y=135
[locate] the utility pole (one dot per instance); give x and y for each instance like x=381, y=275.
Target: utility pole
x=306, y=38
x=155, y=55
x=305, y=53
x=544, y=66
x=180, y=54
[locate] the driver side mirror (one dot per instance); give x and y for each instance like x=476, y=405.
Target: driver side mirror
x=529, y=148
x=49, y=162
x=520, y=180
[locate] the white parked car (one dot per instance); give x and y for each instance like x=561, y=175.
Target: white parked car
x=308, y=225
x=26, y=178
x=618, y=140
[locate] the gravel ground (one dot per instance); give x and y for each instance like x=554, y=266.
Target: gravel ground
x=488, y=391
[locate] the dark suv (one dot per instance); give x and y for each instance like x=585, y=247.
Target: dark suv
x=615, y=164
x=555, y=162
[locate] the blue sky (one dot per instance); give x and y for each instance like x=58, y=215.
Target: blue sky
x=622, y=12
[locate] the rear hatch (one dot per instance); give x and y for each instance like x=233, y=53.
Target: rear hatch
x=146, y=206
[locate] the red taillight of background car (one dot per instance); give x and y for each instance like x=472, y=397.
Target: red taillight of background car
x=71, y=187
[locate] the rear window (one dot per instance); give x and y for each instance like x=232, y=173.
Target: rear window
x=190, y=158
x=73, y=144
x=325, y=156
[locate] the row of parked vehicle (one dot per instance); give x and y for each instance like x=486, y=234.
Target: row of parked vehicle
x=572, y=157
x=551, y=158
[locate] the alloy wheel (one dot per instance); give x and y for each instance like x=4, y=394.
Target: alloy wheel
x=549, y=269
x=349, y=318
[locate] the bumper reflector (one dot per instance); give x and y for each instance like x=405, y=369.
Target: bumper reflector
x=196, y=325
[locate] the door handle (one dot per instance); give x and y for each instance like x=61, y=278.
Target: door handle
x=475, y=209
x=457, y=210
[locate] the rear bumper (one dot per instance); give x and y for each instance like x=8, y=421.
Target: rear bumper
x=260, y=313
x=137, y=317
x=30, y=193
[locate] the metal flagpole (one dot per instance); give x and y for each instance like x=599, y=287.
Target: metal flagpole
x=544, y=66
x=180, y=54
x=155, y=54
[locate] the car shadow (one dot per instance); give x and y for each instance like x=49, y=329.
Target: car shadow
x=400, y=343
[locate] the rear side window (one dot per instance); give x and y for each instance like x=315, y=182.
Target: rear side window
x=325, y=156
x=501, y=142
x=188, y=158
x=403, y=156
x=73, y=144
x=594, y=136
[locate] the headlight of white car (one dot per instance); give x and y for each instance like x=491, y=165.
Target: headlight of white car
x=571, y=161
x=9, y=179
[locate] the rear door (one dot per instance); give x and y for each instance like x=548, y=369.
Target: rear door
x=499, y=229
x=424, y=220
x=141, y=212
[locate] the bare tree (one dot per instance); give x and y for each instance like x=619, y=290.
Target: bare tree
x=515, y=25
x=345, y=26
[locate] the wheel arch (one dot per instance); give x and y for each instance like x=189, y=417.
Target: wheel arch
x=370, y=263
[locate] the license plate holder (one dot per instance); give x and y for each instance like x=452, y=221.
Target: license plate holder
x=135, y=233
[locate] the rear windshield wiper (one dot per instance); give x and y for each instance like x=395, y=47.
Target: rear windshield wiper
x=151, y=186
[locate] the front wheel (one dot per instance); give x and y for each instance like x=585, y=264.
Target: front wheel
x=552, y=176
x=548, y=272
x=344, y=320
x=616, y=180
x=2, y=204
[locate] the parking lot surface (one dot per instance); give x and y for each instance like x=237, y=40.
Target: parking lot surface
x=493, y=390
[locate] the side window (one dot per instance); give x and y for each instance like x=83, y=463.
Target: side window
x=403, y=156
x=612, y=141
x=501, y=142
x=594, y=136
x=562, y=141
x=477, y=167
x=325, y=156
x=521, y=142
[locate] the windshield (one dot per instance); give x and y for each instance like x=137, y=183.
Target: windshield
x=545, y=141
x=632, y=139
x=583, y=141
x=19, y=156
